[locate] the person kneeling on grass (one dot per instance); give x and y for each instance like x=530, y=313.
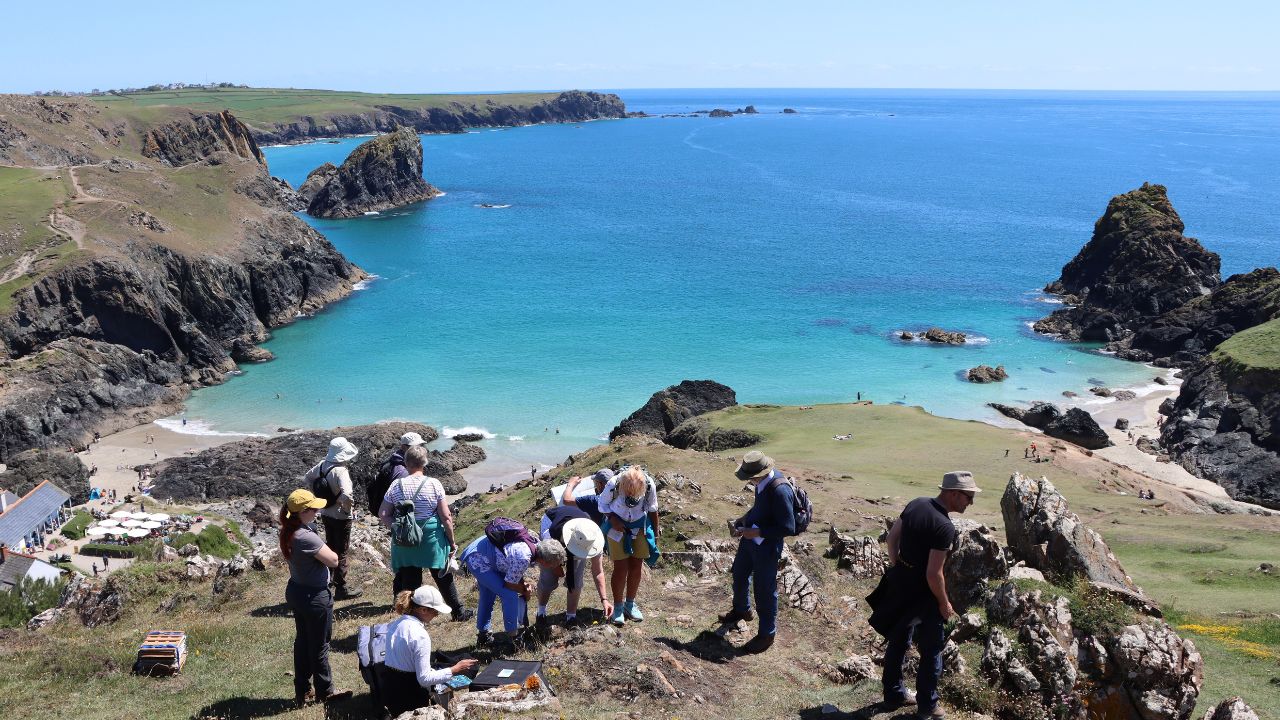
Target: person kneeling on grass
x=629, y=503
x=583, y=541
x=499, y=573
x=407, y=677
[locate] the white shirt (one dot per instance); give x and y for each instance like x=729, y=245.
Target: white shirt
x=613, y=500
x=511, y=561
x=339, y=479
x=409, y=650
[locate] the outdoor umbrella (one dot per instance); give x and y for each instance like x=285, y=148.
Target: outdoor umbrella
x=140, y=516
x=122, y=514
x=132, y=523
x=150, y=525
x=108, y=523
x=160, y=517
x=96, y=531
x=115, y=531
x=139, y=533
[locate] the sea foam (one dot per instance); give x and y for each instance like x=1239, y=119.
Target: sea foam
x=448, y=432
x=200, y=427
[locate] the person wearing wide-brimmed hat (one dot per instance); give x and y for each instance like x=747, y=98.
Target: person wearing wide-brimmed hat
x=762, y=532
x=332, y=473
x=911, y=601
x=583, y=542
x=309, y=597
x=407, y=676
x=431, y=513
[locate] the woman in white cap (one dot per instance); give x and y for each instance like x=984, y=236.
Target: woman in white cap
x=408, y=675
x=431, y=512
x=583, y=541
x=330, y=481
x=308, y=597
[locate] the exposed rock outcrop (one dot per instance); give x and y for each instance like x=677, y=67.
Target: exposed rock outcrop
x=944, y=337
x=269, y=468
x=189, y=141
x=94, y=601
x=569, y=106
x=1137, y=266
x=975, y=559
x=697, y=434
x=385, y=172
x=862, y=556
x=987, y=374
x=1233, y=708
x=1042, y=531
x=32, y=467
x=667, y=409
x=1075, y=425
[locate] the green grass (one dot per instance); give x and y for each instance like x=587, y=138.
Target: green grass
x=267, y=106
x=212, y=540
x=1256, y=350
x=75, y=527
x=27, y=197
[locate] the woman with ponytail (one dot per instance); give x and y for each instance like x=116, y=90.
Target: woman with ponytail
x=308, y=596
x=407, y=676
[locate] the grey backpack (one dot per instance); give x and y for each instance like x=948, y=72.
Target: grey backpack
x=405, y=530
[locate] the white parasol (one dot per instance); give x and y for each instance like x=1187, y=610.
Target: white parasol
x=132, y=523
x=140, y=516
x=122, y=514
x=108, y=523
x=160, y=517
x=139, y=533
x=150, y=525
x=97, y=531
x=114, y=531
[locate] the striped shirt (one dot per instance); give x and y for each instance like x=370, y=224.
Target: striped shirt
x=426, y=493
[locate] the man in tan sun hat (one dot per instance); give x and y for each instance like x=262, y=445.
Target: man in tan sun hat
x=911, y=601
x=583, y=542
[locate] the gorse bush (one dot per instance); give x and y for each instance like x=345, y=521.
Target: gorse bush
x=26, y=600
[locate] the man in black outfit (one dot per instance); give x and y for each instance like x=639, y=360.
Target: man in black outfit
x=918, y=546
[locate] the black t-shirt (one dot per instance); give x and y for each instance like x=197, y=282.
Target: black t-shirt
x=590, y=504
x=561, y=515
x=925, y=527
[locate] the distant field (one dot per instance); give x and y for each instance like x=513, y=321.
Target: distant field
x=265, y=106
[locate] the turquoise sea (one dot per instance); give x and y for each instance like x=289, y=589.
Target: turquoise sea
x=777, y=253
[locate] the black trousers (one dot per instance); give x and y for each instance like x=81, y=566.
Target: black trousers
x=401, y=691
x=313, y=622
x=410, y=578
x=337, y=535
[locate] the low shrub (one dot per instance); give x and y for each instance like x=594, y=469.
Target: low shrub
x=26, y=600
x=75, y=527
x=212, y=540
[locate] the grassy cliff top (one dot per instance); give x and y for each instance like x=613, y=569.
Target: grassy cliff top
x=29, y=244
x=266, y=106
x=1254, y=350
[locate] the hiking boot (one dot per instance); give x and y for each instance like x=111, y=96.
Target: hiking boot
x=757, y=644
x=935, y=714
x=619, y=616
x=574, y=623
x=336, y=696
x=734, y=616
x=541, y=627
x=346, y=593
x=305, y=699
x=908, y=699
x=462, y=615
x=484, y=638
x=633, y=611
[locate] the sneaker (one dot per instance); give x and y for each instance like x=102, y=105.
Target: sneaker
x=757, y=644
x=345, y=593
x=734, y=616
x=619, y=615
x=463, y=615
x=633, y=611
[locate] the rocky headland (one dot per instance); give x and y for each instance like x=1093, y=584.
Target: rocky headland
x=382, y=173
x=160, y=252
x=453, y=117
x=669, y=408
x=1154, y=295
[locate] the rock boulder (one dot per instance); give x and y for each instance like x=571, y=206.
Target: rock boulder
x=29, y=468
x=697, y=434
x=667, y=409
x=987, y=374
x=383, y=173
x=1233, y=708
x=976, y=559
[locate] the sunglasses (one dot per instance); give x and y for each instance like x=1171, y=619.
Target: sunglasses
x=631, y=501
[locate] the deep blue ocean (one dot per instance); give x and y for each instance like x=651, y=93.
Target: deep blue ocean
x=777, y=253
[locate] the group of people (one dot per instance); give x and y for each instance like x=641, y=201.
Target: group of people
x=618, y=514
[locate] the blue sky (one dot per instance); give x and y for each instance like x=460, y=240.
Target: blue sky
x=557, y=44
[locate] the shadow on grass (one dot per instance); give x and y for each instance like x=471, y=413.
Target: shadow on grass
x=243, y=707
x=866, y=712
x=707, y=646
x=277, y=610
x=364, y=609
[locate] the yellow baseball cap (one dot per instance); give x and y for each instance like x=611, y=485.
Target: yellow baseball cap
x=300, y=500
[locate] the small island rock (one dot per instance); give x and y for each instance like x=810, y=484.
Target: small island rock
x=385, y=172
x=987, y=374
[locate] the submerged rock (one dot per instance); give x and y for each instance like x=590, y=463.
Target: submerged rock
x=385, y=172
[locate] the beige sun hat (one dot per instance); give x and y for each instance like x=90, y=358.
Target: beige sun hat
x=961, y=480
x=341, y=450
x=754, y=464
x=583, y=538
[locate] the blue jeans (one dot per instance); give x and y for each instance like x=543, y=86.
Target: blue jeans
x=927, y=627
x=493, y=587
x=758, y=565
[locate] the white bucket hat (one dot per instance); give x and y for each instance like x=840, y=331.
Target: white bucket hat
x=340, y=450
x=412, y=439
x=582, y=538
x=429, y=597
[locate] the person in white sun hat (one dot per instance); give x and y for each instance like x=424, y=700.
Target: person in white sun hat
x=330, y=480
x=408, y=676
x=583, y=540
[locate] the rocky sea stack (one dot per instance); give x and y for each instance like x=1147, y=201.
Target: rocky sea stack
x=383, y=173
x=667, y=409
x=1137, y=265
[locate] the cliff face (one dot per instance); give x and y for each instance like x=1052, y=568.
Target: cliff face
x=188, y=141
x=1137, y=265
x=571, y=106
x=383, y=173
x=164, y=273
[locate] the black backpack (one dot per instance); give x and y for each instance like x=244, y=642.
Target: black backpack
x=802, y=506
x=382, y=481
x=322, y=488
